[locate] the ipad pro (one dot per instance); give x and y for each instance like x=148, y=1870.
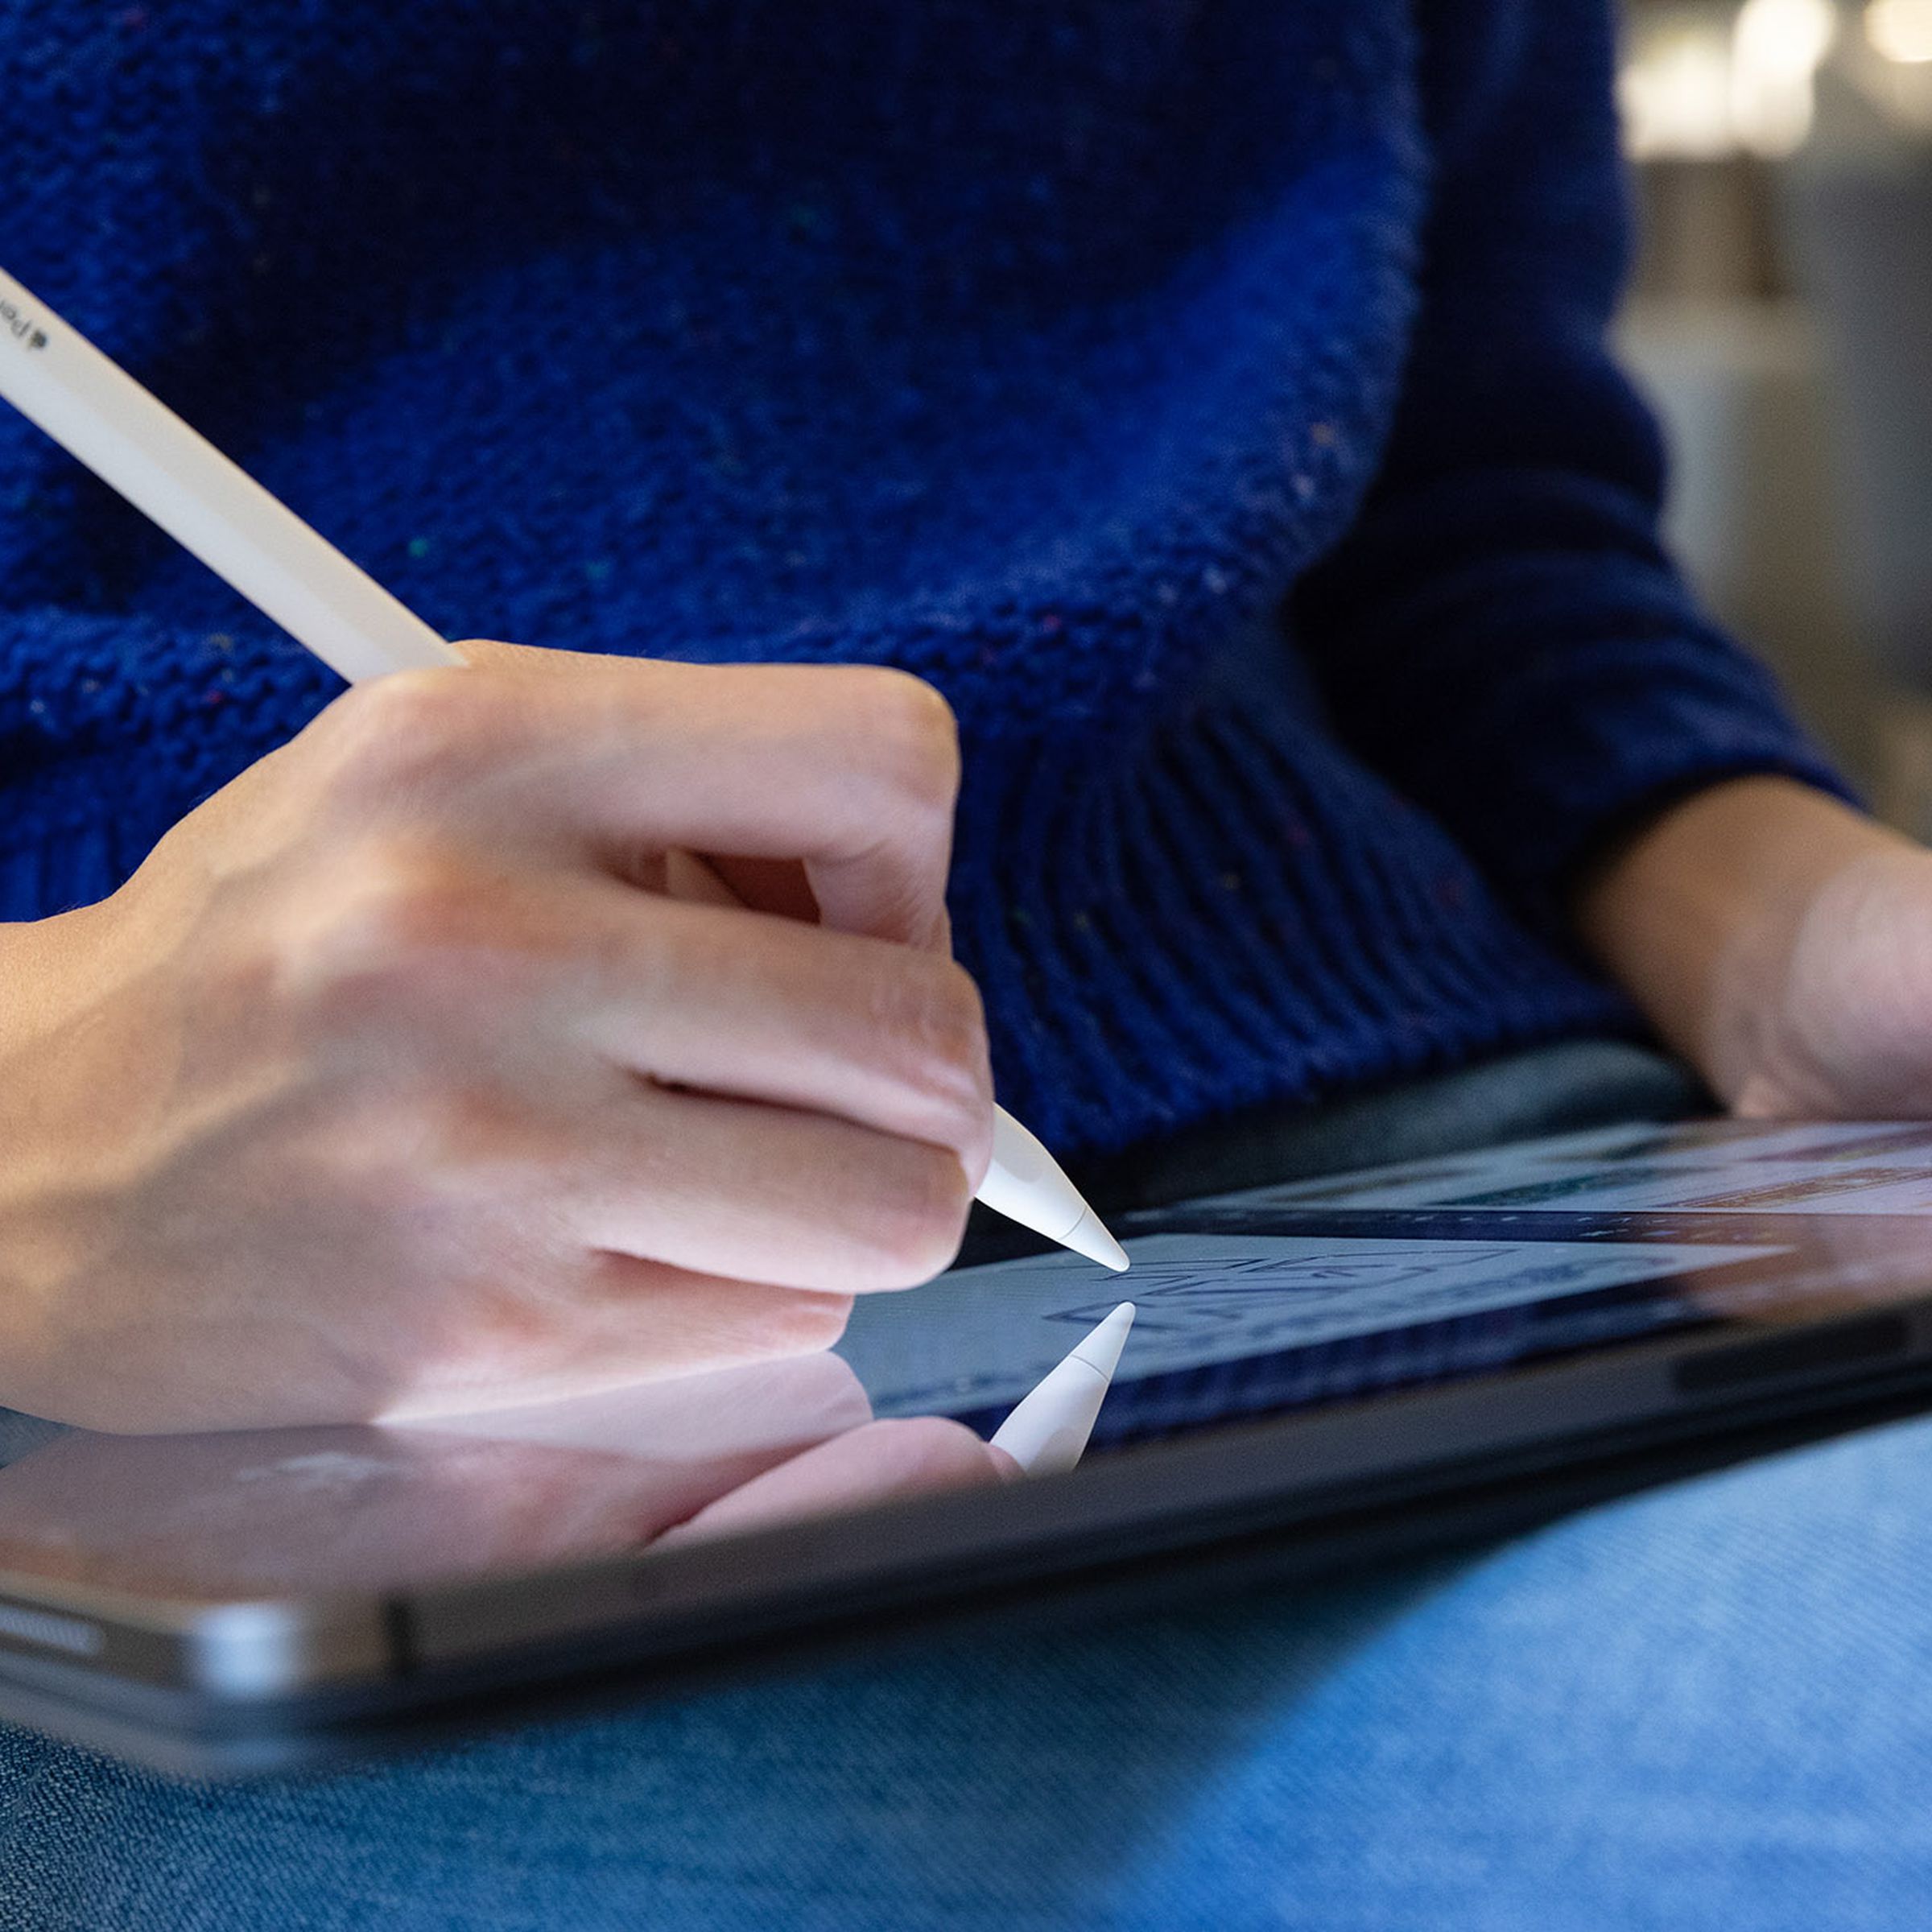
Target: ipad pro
x=1320, y=1373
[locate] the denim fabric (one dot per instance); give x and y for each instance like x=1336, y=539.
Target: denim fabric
x=1703, y=1706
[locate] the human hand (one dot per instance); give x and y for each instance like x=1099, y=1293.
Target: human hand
x=398, y=1081
x=1783, y=943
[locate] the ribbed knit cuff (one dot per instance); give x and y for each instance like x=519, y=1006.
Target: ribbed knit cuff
x=1553, y=773
x=112, y=728
x=1230, y=911
x=1519, y=658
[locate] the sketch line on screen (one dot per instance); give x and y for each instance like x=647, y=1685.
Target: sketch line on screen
x=1204, y=1299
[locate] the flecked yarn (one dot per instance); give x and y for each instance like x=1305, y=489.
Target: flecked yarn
x=1208, y=395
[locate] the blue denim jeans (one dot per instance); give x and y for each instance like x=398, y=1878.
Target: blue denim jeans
x=1705, y=1706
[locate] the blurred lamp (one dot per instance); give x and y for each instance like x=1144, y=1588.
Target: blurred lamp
x=1702, y=82
x=1674, y=94
x=1776, y=46
x=1901, y=30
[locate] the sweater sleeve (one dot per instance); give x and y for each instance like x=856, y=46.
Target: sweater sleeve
x=1501, y=634
x=112, y=727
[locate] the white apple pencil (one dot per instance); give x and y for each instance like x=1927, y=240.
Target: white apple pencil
x=1047, y=1433
x=89, y=405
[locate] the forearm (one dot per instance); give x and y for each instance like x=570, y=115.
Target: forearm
x=1701, y=915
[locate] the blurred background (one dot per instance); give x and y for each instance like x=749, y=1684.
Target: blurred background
x=1780, y=321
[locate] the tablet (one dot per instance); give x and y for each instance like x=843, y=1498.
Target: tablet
x=1320, y=1373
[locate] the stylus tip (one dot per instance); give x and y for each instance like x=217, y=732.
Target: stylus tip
x=1088, y=1236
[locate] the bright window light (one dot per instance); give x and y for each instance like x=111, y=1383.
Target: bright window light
x=1675, y=97
x=1776, y=46
x=1702, y=81
x=1901, y=30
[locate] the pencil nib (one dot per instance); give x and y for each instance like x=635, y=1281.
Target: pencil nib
x=1088, y=1236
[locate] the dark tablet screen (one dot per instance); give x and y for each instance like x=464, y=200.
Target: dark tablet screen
x=1326, y=1290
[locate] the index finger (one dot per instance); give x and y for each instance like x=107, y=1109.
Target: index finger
x=851, y=770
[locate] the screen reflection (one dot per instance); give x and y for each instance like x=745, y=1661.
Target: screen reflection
x=317, y=1510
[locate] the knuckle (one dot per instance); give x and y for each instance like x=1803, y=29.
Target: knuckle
x=435, y=1158
x=415, y=730
x=386, y=923
x=910, y=736
x=931, y=1007
x=955, y=1018
x=438, y=1125
x=916, y=1217
x=406, y=904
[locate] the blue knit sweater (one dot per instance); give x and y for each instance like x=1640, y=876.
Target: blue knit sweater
x=1208, y=395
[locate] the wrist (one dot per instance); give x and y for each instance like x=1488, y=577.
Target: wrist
x=45, y=1087
x=42, y=974
x=1700, y=914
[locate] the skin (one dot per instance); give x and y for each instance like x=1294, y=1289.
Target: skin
x=1779, y=941
x=422, y=1071
x=398, y=1081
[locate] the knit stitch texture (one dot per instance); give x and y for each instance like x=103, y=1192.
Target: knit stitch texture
x=1208, y=395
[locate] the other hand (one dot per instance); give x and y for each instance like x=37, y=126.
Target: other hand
x=1783, y=943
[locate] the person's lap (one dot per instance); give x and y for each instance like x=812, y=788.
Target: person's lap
x=1697, y=1707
